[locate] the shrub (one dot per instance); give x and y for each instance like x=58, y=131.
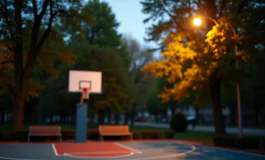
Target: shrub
x=248, y=142
x=15, y=135
x=169, y=134
x=137, y=134
x=225, y=141
x=179, y=123
x=92, y=134
x=68, y=134
x=151, y=134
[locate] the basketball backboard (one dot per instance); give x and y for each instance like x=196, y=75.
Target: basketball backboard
x=79, y=80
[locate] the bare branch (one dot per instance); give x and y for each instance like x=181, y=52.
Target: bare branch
x=7, y=21
x=34, y=9
x=6, y=62
x=258, y=21
x=44, y=8
x=223, y=5
x=243, y=3
x=47, y=31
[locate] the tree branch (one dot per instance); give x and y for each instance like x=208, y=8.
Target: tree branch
x=223, y=5
x=243, y=3
x=6, y=61
x=44, y=7
x=47, y=31
x=7, y=21
x=34, y=9
x=258, y=21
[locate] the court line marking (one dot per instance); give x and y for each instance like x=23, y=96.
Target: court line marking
x=9, y=158
x=54, y=149
x=128, y=148
x=97, y=157
x=193, y=148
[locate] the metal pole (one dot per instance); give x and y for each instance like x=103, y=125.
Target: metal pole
x=239, y=116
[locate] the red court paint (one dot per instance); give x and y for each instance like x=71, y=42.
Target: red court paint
x=93, y=149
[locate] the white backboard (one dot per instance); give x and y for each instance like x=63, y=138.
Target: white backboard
x=84, y=79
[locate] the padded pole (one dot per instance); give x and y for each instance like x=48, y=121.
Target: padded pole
x=81, y=123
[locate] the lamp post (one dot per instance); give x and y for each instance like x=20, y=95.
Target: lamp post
x=198, y=22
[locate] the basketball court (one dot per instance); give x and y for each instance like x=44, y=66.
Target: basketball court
x=130, y=150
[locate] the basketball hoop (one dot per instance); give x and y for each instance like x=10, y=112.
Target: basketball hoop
x=85, y=93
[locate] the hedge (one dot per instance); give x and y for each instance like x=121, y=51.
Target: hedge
x=169, y=134
x=238, y=142
x=137, y=134
x=151, y=134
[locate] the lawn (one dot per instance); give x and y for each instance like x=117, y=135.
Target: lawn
x=203, y=137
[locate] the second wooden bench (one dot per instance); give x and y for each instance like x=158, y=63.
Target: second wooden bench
x=114, y=130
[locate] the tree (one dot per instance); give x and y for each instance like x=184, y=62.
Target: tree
x=153, y=103
x=117, y=86
x=186, y=57
x=103, y=31
x=139, y=57
x=15, y=17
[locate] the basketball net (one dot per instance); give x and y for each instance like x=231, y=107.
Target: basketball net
x=85, y=94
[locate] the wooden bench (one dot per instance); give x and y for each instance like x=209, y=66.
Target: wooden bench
x=114, y=130
x=39, y=131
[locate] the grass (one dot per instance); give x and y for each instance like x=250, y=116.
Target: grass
x=203, y=137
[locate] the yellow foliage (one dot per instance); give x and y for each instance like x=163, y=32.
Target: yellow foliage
x=187, y=65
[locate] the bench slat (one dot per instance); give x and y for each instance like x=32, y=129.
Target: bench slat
x=44, y=129
x=114, y=129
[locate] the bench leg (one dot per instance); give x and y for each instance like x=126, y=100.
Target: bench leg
x=131, y=137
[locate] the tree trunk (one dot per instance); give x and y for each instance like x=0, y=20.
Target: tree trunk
x=117, y=118
x=133, y=114
x=109, y=117
x=215, y=91
x=156, y=118
x=257, y=110
x=233, y=115
x=126, y=117
x=91, y=117
x=197, y=114
x=18, y=112
x=101, y=116
x=172, y=109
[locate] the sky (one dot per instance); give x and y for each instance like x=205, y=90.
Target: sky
x=129, y=14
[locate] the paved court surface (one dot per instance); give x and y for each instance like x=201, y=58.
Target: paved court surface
x=170, y=150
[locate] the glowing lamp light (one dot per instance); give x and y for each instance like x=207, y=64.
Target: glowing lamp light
x=197, y=21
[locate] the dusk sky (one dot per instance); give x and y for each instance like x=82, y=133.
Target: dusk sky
x=129, y=14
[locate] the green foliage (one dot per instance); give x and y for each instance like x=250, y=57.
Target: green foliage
x=169, y=134
x=238, y=142
x=137, y=134
x=68, y=134
x=20, y=136
x=151, y=134
x=92, y=134
x=179, y=122
x=118, y=88
x=154, y=106
x=228, y=141
x=103, y=31
x=248, y=142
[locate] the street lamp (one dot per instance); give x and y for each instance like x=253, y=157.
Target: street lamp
x=198, y=22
